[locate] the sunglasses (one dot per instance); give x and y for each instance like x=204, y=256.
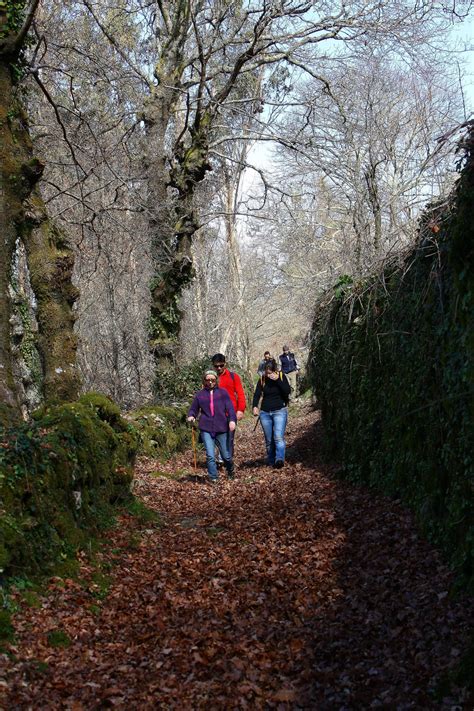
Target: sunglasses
x=209, y=380
x=219, y=365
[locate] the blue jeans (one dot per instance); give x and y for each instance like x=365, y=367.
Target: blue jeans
x=210, y=443
x=230, y=445
x=274, y=426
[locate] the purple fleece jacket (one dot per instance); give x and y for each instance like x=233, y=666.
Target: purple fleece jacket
x=223, y=410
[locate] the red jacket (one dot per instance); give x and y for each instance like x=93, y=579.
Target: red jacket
x=233, y=385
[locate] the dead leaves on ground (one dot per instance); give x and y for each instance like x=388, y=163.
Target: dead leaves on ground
x=279, y=590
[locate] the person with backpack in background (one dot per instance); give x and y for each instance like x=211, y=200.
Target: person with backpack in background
x=290, y=367
x=274, y=389
x=231, y=382
x=263, y=363
x=213, y=409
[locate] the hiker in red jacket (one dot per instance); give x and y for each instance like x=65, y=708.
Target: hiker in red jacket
x=231, y=382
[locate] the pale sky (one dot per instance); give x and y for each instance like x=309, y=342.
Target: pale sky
x=465, y=33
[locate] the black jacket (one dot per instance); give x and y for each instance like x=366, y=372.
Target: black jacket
x=275, y=393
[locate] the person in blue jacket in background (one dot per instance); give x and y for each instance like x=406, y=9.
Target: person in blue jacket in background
x=289, y=366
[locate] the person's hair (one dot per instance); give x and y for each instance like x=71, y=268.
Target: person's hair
x=266, y=353
x=209, y=372
x=271, y=365
x=218, y=358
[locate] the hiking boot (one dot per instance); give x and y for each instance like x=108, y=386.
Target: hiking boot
x=279, y=464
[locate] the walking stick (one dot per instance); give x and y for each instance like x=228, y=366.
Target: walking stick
x=258, y=420
x=194, y=446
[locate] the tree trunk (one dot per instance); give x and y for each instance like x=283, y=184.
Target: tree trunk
x=374, y=201
x=10, y=209
x=173, y=220
x=237, y=331
x=23, y=220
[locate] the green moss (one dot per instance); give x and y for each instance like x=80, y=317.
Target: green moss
x=31, y=599
x=100, y=586
x=161, y=430
x=58, y=638
x=64, y=476
x=7, y=632
x=174, y=475
x=143, y=514
x=60, y=479
x=107, y=410
x=9, y=414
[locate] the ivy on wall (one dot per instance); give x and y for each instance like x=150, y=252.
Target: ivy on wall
x=392, y=365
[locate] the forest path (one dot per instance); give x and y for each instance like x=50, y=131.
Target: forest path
x=281, y=589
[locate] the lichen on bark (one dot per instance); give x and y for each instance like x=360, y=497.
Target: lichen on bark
x=23, y=218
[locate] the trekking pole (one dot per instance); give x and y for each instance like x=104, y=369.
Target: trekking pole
x=193, y=431
x=258, y=420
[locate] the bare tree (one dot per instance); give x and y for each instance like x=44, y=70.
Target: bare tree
x=370, y=137
x=145, y=94
x=93, y=183
x=200, y=50
x=28, y=238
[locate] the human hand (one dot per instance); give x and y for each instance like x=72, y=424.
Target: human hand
x=240, y=414
x=191, y=419
x=232, y=426
x=255, y=411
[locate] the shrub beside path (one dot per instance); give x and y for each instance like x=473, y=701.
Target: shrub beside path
x=282, y=589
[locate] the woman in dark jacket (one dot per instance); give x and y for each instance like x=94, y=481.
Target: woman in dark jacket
x=214, y=409
x=274, y=389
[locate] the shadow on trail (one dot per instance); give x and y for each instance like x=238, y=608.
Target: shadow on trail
x=307, y=447
x=194, y=479
x=251, y=463
x=391, y=633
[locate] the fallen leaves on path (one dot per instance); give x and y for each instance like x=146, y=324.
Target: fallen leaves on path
x=279, y=590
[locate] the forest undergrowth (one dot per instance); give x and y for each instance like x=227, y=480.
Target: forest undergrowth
x=283, y=589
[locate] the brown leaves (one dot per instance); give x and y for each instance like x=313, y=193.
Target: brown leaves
x=282, y=589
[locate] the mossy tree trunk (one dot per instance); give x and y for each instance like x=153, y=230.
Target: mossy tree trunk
x=9, y=211
x=172, y=177
x=180, y=119
x=23, y=221
x=173, y=221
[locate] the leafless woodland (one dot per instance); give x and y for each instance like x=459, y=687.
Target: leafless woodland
x=217, y=165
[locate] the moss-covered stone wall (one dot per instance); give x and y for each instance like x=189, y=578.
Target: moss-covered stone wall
x=392, y=365
x=60, y=478
x=161, y=430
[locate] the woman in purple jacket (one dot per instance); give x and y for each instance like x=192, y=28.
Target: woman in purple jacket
x=213, y=408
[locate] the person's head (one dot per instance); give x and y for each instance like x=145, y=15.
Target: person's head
x=286, y=349
x=271, y=366
x=218, y=362
x=209, y=379
x=266, y=355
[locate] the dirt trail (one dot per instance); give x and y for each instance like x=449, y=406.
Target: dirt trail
x=282, y=589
